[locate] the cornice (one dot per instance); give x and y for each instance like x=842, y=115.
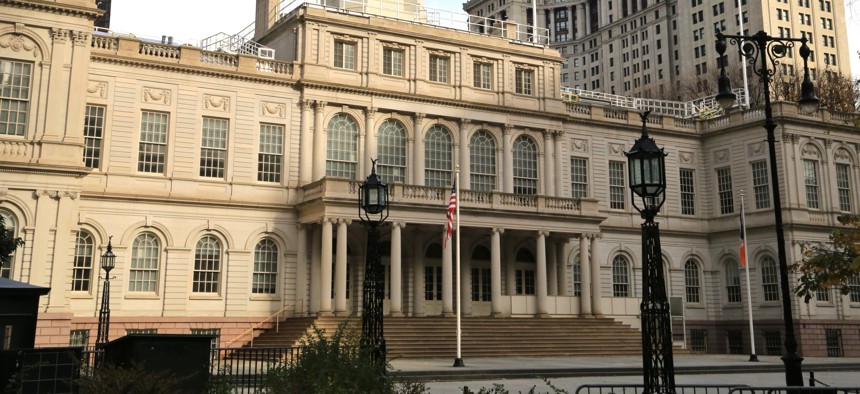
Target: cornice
x=29, y=168
x=91, y=13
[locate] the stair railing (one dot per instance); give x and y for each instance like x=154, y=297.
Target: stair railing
x=254, y=327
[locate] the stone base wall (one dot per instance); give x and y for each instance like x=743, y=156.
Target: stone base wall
x=811, y=337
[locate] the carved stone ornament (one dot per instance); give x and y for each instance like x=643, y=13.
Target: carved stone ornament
x=721, y=155
x=686, y=157
x=344, y=37
x=156, y=96
x=481, y=59
x=810, y=151
x=212, y=103
x=81, y=38
x=393, y=45
x=18, y=43
x=273, y=110
x=616, y=149
x=756, y=148
x=437, y=52
x=59, y=35
x=97, y=89
x=524, y=66
x=578, y=145
x=842, y=154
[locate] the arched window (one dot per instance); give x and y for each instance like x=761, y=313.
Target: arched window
x=82, y=271
x=391, y=150
x=482, y=158
x=691, y=282
x=341, y=147
x=620, y=277
x=525, y=166
x=265, y=279
x=207, y=265
x=143, y=274
x=12, y=231
x=577, y=276
x=733, y=282
x=769, y=279
x=438, y=157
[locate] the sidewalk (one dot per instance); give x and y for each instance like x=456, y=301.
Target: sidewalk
x=531, y=367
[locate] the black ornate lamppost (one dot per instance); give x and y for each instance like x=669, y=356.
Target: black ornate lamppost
x=759, y=50
x=108, y=262
x=373, y=210
x=646, y=164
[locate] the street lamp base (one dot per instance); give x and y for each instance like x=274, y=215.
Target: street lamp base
x=458, y=362
x=753, y=357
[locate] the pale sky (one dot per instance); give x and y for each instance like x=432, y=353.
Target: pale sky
x=193, y=20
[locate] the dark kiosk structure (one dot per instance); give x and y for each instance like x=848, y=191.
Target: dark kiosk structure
x=373, y=210
x=759, y=50
x=646, y=164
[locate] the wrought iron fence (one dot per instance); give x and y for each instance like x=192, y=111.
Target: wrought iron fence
x=247, y=367
x=639, y=388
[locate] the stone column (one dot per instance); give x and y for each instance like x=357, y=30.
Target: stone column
x=540, y=275
x=548, y=165
x=320, y=139
x=464, y=154
x=584, y=277
x=340, y=269
x=302, y=269
x=559, y=163
x=325, y=264
x=552, y=268
x=316, y=270
x=395, y=260
x=596, y=299
x=418, y=154
x=508, y=158
x=510, y=268
x=369, y=140
x=447, y=278
x=418, y=277
x=496, y=270
x=306, y=164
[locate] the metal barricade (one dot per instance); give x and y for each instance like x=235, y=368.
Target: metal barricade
x=795, y=390
x=639, y=388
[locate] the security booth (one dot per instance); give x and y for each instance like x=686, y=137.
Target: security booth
x=19, y=310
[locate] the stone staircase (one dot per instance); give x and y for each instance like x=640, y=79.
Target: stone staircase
x=435, y=337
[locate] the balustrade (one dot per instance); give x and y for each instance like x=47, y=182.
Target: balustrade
x=275, y=67
x=104, y=42
x=219, y=59
x=156, y=50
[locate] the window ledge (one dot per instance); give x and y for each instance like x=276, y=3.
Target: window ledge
x=81, y=296
x=205, y=297
x=142, y=296
x=733, y=305
x=264, y=297
x=770, y=304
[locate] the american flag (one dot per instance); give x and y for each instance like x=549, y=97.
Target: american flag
x=743, y=240
x=452, y=209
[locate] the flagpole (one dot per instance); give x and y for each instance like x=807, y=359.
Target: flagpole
x=458, y=362
x=745, y=258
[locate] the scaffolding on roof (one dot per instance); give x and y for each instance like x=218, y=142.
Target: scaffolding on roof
x=703, y=108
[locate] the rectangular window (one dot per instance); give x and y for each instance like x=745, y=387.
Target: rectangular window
x=439, y=68
x=578, y=177
x=699, y=341
x=132, y=331
x=344, y=55
x=213, y=148
x=480, y=284
x=724, y=190
x=153, y=142
x=525, y=282
x=271, y=151
x=524, y=81
x=810, y=170
x=215, y=332
x=617, y=185
x=772, y=343
x=79, y=338
x=392, y=62
x=433, y=283
x=822, y=296
x=760, y=184
x=14, y=96
x=481, y=75
x=688, y=194
x=843, y=185
x=94, y=118
x=834, y=342
x=735, y=341
x=854, y=289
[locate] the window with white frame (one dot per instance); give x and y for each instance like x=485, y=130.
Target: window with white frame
x=769, y=279
x=524, y=81
x=578, y=177
x=810, y=171
x=265, y=278
x=733, y=282
x=692, y=286
x=577, y=276
x=724, y=190
x=79, y=338
x=391, y=151
x=94, y=120
x=207, y=265
x=525, y=166
x=761, y=186
x=481, y=284
x=482, y=161
x=153, y=142
x=854, y=289
x=11, y=225
x=213, y=147
x=688, y=192
x=439, y=68
x=14, y=96
x=482, y=75
x=822, y=296
x=392, y=61
x=617, y=186
x=524, y=274
x=843, y=186
x=143, y=272
x=438, y=156
x=82, y=271
x=433, y=283
x=344, y=54
x=620, y=277
x=271, y=152
x=341, y=147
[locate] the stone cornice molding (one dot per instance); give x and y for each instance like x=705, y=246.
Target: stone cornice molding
x=91, y=13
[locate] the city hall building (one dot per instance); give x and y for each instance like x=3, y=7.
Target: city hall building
x=225, y=179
